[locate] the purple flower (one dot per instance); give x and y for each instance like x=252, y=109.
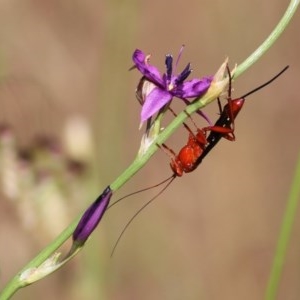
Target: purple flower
x=91, y=217
x=167, y=86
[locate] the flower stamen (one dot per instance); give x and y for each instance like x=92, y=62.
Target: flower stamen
x=184, y=74
x=169, y=66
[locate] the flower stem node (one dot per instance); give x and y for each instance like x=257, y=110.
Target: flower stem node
x=150, y=135
x=47, y=267
x=219, y=84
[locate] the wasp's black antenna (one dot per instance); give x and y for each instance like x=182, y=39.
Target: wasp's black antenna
x=171, y=179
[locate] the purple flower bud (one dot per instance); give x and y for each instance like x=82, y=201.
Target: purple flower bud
x=91, y=217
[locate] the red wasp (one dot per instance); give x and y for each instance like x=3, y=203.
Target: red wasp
x=186, y=160
x=198, y=145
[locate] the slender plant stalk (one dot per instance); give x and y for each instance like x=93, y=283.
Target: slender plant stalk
x=270, y=40
x=140, y=161
x=284, y=236
x=14, y=285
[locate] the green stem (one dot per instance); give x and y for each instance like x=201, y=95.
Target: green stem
x=284, y=236
x=16, y=284
x=270, y=40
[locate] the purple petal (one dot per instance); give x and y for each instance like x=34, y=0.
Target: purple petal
x=193, y=88
x=149, y=71
x=154, y=102
x=91, y=217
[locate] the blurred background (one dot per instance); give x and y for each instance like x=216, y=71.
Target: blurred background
x=69, y=126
